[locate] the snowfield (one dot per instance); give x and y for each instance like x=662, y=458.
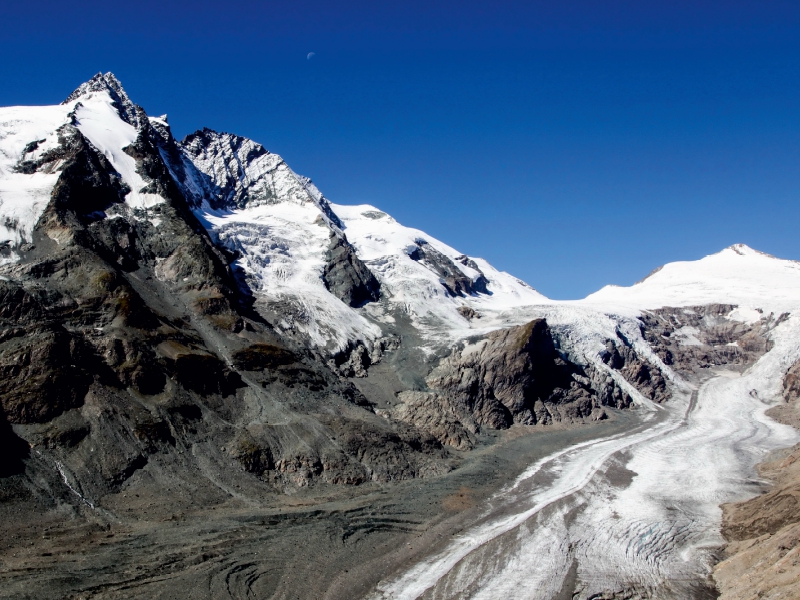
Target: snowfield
x=100, y=122
x=23, y=197
x=736, y=275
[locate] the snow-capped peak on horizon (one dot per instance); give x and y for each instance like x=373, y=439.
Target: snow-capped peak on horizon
x=745, y=250
x=737, y=274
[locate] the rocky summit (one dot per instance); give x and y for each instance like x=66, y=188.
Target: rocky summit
x=210, y=373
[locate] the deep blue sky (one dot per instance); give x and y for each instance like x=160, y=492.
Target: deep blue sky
x=571, y=143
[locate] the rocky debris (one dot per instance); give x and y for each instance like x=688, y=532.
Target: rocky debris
x=449, y=423
x=351, y=361
x=768, y=513
x=467, y=312
x=254, y=457
x=646, y=378
x=346, y=276
x=762, y=555
x=452, y=278
x=606, y=389
x=383, y=346
x=355, y=359
x=699, y=337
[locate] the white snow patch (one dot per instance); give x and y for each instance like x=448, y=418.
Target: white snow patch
x=282, y=249
x=23, y=198
x=736, y=275
x=100, y=122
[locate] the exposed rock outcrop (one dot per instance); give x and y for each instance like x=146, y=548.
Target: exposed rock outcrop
x=699, y=337
x=346, y=276
x=646, y=378
x=513, y=375
x=452, y=278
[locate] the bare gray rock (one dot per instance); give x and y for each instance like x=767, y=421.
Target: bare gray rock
x=346, y=276
x=699, y=337
x=643, y=376
x=452, y=278
x=437, y=415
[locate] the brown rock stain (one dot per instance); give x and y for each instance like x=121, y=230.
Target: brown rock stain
x=461, y=500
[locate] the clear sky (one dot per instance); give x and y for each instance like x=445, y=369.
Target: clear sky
x=571, y=143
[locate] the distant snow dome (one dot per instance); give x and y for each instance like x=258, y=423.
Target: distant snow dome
x=736, y=275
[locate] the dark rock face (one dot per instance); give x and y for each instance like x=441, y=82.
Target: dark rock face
x=43, y=373
x=346, y=276
x=698, y=337
x=791, y=383
x=644, y=377
x=513, y=375
x=13, y=450
x=516, y=376
x=452, y=278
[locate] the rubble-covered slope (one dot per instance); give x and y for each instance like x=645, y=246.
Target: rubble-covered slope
x=762, y=558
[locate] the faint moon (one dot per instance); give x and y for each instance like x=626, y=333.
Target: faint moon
x=310, y=54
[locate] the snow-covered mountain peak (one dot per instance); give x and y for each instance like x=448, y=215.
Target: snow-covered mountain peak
x=37, y=141
x=745, y=250
x=28, y=134
x=241, y=174
x=735, y=275
x=110, y=85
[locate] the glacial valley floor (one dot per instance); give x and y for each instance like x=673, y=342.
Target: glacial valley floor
x=326, y=542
